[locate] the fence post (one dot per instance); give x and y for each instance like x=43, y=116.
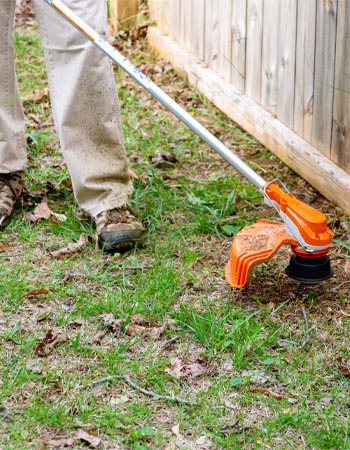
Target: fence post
x=122, y=13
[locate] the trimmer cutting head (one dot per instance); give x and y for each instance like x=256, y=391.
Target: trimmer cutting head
x=309, y=270
x=303, y=227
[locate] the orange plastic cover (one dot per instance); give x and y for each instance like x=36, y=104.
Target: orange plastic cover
x=253, y=245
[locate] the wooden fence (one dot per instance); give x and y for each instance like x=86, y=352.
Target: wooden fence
x=279, y=68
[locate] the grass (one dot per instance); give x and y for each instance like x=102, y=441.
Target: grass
x=238, y=355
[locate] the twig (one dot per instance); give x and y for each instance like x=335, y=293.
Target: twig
x=128, y=381
x=166, y=344
x=307, y=330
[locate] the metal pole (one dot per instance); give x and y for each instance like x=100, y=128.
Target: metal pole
x=154, y=90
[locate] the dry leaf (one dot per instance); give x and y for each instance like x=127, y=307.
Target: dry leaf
x=112, y=324
x=141, y=325
x=190, y=368
x=344, y=370
x=175, y=368
x=346, y=310
x=162, y=157
x=43, y=211
x=347, y=267
x=82, y=435
x=176, y=430
x=33, y=293
x=119, y=400
x=37, y=96
x=132, y=174
x=61, y=440
x=72, y=248
x=48, y=342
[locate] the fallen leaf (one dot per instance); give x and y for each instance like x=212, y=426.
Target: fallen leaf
x=140, y=325
x=33, y=293
x=347, y=267
x=48, y=342
x=176, y=430
x=189, y=368
x=98, y=338
x=111, y=323
x=42, y=211
x=346, y=310
x=90, y=439
x=162, y=157
x=70, y=249
x=175, y=368
x=37, y=96
x=344, y=370
x=132, y=174
x=61, y=440
x=119, y=400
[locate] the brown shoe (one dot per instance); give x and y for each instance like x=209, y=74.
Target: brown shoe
x=119, y=229
x=11, y=188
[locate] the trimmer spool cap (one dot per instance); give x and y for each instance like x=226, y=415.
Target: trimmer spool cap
x=309, y=269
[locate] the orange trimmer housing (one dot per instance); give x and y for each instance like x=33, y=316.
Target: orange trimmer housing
x=303, y=227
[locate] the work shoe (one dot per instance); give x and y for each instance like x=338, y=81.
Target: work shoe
x=119, y=229
x=11, y=188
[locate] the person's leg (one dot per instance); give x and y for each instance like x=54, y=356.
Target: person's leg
x=87, y=119
x=85, y=107
x=13, y=157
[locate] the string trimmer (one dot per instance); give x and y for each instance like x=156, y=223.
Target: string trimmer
x=304, y=228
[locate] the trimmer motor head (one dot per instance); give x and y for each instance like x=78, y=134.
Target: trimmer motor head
x=303, y=228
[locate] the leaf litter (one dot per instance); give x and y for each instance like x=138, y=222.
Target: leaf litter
x=181, y=366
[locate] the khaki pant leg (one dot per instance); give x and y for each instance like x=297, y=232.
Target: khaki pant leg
x=12, y=139
x=85, y=106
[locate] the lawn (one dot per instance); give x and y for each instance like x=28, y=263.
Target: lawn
x=153, y=349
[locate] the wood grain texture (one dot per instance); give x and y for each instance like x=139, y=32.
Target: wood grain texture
x=326, y=17
x=340, y=150
x=305, y=68
x=303, y=158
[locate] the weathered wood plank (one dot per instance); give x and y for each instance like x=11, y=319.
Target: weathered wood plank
x=305, y=68
x=158, y=10
x=123, y=13
x=302, y=157
x=340, y=153
x=197, y=28
x=286, y=60
x=217, y=50
x=185, y=23
x=254, y=49
x=269, y=79
x=238, y=48
x=324, y=75
x=174, y=18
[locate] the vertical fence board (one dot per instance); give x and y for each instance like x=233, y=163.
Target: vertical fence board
x=254, y=49
x=217, y=49
x=185, y=24
x=269, y=78
x=239, y=20
x=159, y=12
x=286, y=60
x=340, y=153
x=324, y=75
x=174, y=18
x=305, y=68
x=197, y=28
